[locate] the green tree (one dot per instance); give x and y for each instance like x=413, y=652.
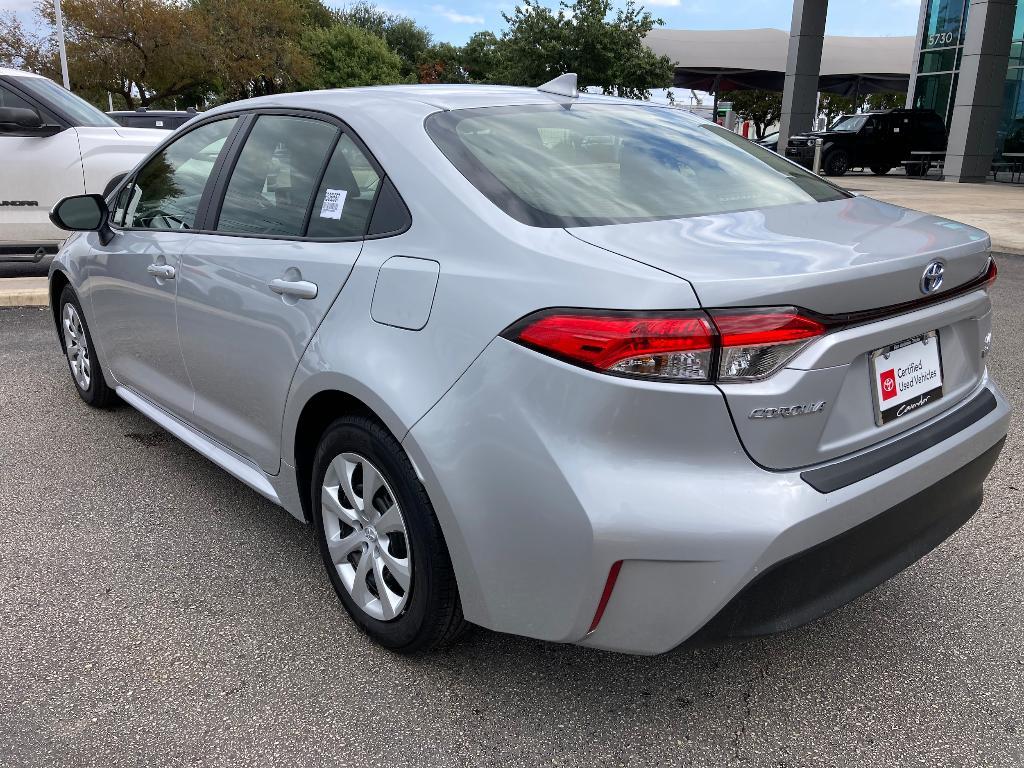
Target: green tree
x=886, y=100
x=441, y=63
x=605, y=49
x=251, y=48
x=144, y=50
x=403, y=35
x=344, y=55
x=762, y=108
x=832, y=105
x=481, y=57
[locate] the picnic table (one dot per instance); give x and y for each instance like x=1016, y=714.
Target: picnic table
x=922, y=161
x=1016, y=164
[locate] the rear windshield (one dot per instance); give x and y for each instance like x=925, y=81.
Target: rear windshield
x=592, y=164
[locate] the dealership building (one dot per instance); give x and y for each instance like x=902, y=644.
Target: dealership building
x=966, y=63
x=944, y=59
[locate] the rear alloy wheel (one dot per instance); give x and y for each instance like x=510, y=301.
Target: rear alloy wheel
x=380, y=541
x=81, y=353
x=880, y=170
x=837, y=163
x=366, y=536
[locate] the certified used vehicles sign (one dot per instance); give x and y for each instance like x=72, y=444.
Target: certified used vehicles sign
x=906, y=376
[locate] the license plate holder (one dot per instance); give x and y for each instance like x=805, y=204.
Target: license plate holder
x=906, y=376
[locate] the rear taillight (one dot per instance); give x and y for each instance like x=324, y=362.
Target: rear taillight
x=992, y=273
x=675, y=346
x=728, y=345
x=756, y=343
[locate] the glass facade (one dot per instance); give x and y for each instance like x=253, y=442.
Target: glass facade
x=1010, y=136
x=941, y=49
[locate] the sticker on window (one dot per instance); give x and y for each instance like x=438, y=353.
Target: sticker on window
x=334, y=201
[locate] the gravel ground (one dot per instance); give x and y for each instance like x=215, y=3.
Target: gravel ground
x=154, y=611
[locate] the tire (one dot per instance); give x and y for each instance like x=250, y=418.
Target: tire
x=880, y=170
x=80, y=353
x=420, y=608
x=836, y=163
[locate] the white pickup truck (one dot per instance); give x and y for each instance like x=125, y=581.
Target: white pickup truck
x=54, y=144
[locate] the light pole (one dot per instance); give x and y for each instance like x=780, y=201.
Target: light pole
x=60, y=45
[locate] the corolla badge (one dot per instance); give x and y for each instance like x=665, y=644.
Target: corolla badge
x=931, y=280
x=785, y=411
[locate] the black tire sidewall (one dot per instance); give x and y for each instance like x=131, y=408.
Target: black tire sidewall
x=830, y=159
x=92, y=395
x=880, y=170
x=362, y=436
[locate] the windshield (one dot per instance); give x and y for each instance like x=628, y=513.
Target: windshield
x=81, y=113
x=592, y=164
x=849, y=123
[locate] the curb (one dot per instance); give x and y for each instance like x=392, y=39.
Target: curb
x=24, y=292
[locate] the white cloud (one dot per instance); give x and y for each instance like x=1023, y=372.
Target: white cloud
x=455, y=17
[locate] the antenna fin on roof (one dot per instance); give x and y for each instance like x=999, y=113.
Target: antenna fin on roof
x=563, y=85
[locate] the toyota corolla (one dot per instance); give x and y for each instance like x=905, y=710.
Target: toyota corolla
x=572, y=367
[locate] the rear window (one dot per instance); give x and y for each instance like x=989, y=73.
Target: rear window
x=594, y=164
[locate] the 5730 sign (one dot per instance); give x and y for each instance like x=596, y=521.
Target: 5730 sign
x=941, y=38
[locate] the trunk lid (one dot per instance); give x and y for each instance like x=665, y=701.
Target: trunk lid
x=832, y=258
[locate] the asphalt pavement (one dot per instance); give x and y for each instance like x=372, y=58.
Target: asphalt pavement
x=154, y=611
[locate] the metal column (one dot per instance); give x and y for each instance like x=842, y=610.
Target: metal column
x=978, y=105
x=800, y=96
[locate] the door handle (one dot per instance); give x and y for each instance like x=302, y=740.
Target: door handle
x=163, y=271
x=299, y=289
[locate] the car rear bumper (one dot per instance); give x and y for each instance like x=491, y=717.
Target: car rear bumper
x=824, y=577
x=544, y=476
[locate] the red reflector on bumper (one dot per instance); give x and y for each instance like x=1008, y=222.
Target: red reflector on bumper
x=609, y=585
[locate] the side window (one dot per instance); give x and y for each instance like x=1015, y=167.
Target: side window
x=345, y=199
x=166, y=192
x=275, y=176
x=9, y=98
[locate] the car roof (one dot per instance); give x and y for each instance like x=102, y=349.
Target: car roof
x=153, y=113
x=6, y=72
x=435, y=97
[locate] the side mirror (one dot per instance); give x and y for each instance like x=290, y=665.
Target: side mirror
x=83, y=213
x=19, y=117
x=25, y=122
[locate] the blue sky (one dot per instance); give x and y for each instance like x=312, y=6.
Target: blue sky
x=455, y=21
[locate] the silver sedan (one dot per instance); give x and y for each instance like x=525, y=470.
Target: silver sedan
x=573, y=367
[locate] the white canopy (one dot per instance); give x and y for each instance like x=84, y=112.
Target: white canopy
x=756, y=58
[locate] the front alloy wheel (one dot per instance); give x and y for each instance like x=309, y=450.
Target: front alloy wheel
x=366, y=536
x=76, y=346
x=81, y=353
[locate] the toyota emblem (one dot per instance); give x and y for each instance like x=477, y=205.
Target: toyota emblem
x=931, y=280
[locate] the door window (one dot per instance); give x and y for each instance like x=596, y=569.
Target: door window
x=344, y=202
x=277, y=171
x=166, y=192
x=9, y=98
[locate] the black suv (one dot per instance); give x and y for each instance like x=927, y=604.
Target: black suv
x=167, y=119
x=876, y=140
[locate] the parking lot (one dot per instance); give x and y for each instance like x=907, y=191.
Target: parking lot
x=153, y=610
